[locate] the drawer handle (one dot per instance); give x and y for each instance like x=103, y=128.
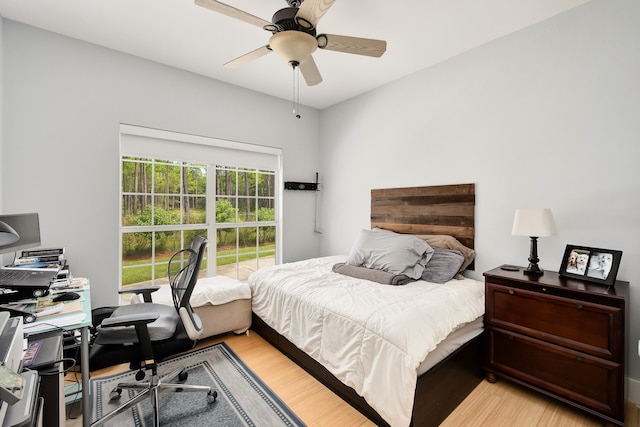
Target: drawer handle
x=579, y=358
x=510, y=337
x=579, y=306
x=511, y=292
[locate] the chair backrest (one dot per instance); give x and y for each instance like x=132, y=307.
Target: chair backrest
x=183, y=282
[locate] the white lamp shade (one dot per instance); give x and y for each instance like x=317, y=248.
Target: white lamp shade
x=533, y=222
x=293, y=46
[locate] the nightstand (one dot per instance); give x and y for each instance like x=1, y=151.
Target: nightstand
x=562, y=337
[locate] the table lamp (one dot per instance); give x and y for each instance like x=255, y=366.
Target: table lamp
x=537, y=222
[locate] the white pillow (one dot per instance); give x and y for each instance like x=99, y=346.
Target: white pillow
x=391, y=252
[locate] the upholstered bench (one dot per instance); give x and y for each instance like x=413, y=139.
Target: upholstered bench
x=223, y=304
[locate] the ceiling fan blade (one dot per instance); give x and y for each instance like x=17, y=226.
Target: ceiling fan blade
x=231, y=11
x=248, y=57
x=357, y=45
x=310, y=72
x=311, y=11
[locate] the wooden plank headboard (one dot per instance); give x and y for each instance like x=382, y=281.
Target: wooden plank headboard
x=441, y=209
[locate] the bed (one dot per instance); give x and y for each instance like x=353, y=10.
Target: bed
x=307, y=311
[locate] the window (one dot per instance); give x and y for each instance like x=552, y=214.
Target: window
x=163, y=208
x=167, y=198
x=245, y=221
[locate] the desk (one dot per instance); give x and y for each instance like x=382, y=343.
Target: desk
x=70, y=322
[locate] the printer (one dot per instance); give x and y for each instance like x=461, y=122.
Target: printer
x=24, y=411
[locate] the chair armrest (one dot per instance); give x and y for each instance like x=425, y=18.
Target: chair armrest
x=146, y=292
x=130, y=320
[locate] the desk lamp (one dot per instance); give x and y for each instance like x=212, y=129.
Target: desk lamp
x=537, y=222
x=7, y=234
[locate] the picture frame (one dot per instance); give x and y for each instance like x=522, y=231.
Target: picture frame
x=591, y=264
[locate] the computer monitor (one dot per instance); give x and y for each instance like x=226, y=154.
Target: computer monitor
x=19, y=231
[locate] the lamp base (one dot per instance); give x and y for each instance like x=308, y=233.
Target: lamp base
x=534, y=269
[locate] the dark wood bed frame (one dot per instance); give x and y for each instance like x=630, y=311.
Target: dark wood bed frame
x=447, y=209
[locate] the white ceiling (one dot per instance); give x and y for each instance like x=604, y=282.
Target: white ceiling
x=184, y=35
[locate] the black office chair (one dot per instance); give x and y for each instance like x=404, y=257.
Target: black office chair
x=144, y=334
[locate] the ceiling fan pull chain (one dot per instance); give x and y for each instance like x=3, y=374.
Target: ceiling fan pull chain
x=296, y=90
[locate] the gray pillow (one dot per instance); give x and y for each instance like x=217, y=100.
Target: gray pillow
x=391, y=252
x=443, y=265
x=450, y=242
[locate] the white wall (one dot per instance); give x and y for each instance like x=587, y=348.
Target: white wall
x=1, y=105
x=546, y=117
x=63, y=103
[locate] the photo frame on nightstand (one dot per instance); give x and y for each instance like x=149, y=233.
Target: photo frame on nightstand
x=591, y=264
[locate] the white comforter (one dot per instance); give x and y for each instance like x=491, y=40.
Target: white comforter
x=370, y=336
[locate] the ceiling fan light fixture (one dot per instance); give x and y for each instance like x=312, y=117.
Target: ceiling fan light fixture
x=293, y=46
x=304, y=23
x=323, y=41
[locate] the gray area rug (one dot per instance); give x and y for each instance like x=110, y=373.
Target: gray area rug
x=243, y=399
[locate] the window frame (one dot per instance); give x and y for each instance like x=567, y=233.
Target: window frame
x=139, y=142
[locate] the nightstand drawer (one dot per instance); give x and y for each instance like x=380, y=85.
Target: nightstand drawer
x=590, y=381
x=583, y=326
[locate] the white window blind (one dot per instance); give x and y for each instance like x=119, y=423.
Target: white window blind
x=138, y=141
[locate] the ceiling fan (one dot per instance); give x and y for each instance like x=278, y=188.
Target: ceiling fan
x=294, y=36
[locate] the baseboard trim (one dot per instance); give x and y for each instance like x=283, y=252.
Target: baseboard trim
x=633, y=391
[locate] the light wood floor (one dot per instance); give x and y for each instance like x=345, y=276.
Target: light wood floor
x=499, y=404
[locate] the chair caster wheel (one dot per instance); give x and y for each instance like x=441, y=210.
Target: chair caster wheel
x=183, y=375
x=140, y=375
x=115, y=393
x=212, y=395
